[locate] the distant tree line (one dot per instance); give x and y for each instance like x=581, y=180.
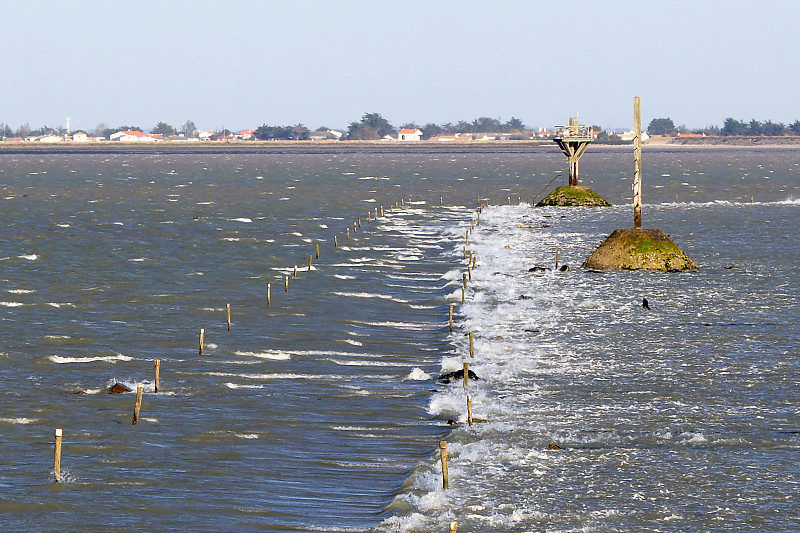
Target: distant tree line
x=731, y=127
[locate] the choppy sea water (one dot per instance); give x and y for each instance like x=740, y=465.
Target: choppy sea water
x=321, y=412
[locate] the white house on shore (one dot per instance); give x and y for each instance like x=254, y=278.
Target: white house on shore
x=408, y=134
x=127, y=136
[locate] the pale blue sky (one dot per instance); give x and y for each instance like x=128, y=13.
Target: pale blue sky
x=244, y=63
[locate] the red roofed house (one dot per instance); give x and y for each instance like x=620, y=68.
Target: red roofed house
x=409, y=135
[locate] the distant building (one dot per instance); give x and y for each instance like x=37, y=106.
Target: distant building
x=458, y=137
x=80, y=137
x=50, y=139
x=245, y=135
x=629, y=136
x=128, y=136
x=408, y=134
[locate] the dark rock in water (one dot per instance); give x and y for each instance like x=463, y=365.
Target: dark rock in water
x=553, y=447
x=452, y=422
x=538, y=268
x=458, y=375
x=118, y=388
x=730, y=267
x=524, y=297
x=565, y=268
x=532, y=331
x=645, y=304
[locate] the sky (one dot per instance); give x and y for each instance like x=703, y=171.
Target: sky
x=246, y=63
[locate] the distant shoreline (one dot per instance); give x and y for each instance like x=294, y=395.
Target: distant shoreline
x=422, y=147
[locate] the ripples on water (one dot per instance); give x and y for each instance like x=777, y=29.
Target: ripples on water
x=321, y=411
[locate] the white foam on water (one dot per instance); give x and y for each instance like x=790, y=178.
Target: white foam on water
x=139, y=259
x=417, y=374
x=274, y=355
x=105, y=358
x=20, y=291
x=11, y=304
x=242, y=219
x=18, y=420
x=29, y=257
x=237, y=386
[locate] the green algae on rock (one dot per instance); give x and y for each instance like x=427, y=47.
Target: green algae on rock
x=573, y=195
x=639, y=249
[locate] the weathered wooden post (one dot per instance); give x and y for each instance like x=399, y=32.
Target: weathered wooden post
x=443, y=456
x=138, y=405
x=469, y=411
x=471, y=345
x=57, y=455
x=310, y=257
x=466, y=375
x=269, y=294
x=454, y=526
x=158, y=375
x=202, y=334
x=295, y=272
x=228, y=309
x=637, y=162
x=286, y=284
x=451, y=318
x=317, y=245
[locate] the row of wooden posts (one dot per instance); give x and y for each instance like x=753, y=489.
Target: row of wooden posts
x=471, y=264
x=378, y=213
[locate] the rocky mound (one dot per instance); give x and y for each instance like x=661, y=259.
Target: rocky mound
x=577, y=195
x=635, y=249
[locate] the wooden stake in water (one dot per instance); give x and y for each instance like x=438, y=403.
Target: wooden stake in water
x=269, y=294
x=348, y=234
x=441, y=200
x=335, y=241
x=382, y=215
x=556, y=267
x=158, y=375
x=286, y=284
x=317, y=245
x=471, y=344
x=369, y=216
x=355, y=228
x=228, y=309
x=359, y=222
x=466, y=375
x=637, y=162
x=463, y=295
x=454, y=526
x=451, y=318
x=443, y=455
x=469, y=411
x=467, y=233
x=138, y=405
x=464, y=280
x=310, y=257
x=295, y=272
x=57, y=455
x=479, y=218
x=469, y=272
x=202, y=334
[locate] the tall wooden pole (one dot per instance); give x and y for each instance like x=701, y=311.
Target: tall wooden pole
x=57, y=455
x=637, y=162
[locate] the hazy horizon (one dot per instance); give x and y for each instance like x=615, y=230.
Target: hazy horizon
x=326, y=64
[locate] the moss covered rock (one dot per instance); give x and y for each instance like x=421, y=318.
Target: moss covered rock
x=635, y=249
x=576, y=195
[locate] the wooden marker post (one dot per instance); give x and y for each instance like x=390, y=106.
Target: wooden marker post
x=138, y=405
x=376, y=213
x=228, y=309
x=463, y=295
x=451, y=318
x=454, y=526
x=464, y=280
x=57, y=455
x=467, y=235
x=637, y=162
x=310, y=257
x=348, y=234
x=469, y=272
x=355, y=228
x=369, y=216
x=443, y=455
x=286, y=284
x=359, y=222
x=382, y=215
x=471, y=344
x=441, y=200
x=317, y=245
x=479, y=219
x=157, y=375
x=335, y=241
x=269, y=294
x=202, y=334
x=466, y=375
x=295, y=272
x=469, y=411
